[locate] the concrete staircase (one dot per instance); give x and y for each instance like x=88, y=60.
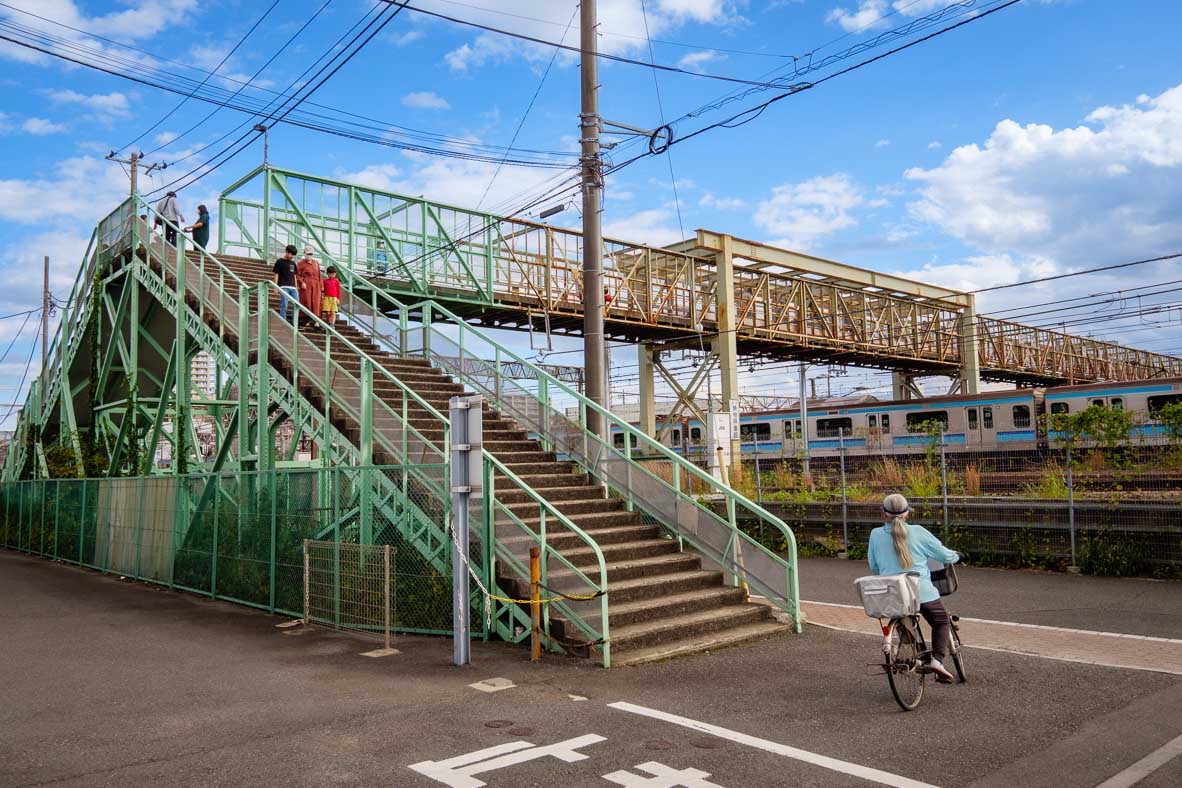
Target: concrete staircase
x=663, y=604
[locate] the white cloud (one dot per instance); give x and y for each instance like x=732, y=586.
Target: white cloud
x=165, y=137
x=103, y=106
x=882, y=143
x=141, y=19
x=40, y=126
x=697, y=61
x=1101, y=192
x=866, y=16
x=81, y=189
x=547, y=19
x=425, y=100
x=798, y=214
x=654, y=227
x=708, y=200
x=934, y=145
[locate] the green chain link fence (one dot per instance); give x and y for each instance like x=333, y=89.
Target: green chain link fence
x=239, y=536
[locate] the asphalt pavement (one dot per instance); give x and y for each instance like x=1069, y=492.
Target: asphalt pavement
x=116, y=683
x=1131, y=606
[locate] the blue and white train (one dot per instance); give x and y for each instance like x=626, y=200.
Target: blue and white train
x=995, y=421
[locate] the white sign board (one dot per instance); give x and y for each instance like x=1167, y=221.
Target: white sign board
x=718, y=436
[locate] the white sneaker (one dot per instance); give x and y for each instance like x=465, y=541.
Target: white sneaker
x=941, y=672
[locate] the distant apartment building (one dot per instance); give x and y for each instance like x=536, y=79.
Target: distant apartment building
x=203, y=374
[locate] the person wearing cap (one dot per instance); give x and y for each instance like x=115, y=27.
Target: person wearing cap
x=309, y=281
x=899, y=546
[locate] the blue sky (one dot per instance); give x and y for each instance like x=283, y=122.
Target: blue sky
x=1044, y=138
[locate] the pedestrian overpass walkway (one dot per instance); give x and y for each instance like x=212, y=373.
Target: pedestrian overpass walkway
x=759, y=300
x=641, y=554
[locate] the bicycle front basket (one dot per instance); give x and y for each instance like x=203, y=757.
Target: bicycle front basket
x=889, y=596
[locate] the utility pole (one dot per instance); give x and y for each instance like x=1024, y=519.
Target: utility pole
x=133, y=163
x=44, y=321
x=594, y=359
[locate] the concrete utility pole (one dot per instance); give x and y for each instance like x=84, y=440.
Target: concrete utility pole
x=133, y=163
x=594, y=359
x=44, y=320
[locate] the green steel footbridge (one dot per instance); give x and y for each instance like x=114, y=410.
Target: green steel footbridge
x=119, y=462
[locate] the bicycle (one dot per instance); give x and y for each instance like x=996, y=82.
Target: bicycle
x=907, y=658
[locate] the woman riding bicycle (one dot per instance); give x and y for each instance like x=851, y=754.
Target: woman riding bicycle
x=900, y=546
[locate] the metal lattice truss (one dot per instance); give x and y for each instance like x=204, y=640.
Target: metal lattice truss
x=516, y=273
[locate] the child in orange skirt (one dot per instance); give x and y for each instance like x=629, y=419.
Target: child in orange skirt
x=330, y=303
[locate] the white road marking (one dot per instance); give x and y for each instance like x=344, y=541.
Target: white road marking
x=662, y=777
x=381, y=652
x=576, y=697
x=288, y=624
x=458, y=772
x=1146, y=766
x=1046, y=627
x=493, y=685
x=824, y=761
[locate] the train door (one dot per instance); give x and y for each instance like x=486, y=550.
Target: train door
x=988, y=433
x=972, y=426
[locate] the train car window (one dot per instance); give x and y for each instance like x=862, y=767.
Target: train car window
x=1098, y=401
x=918, y=422
x=1161, y=400
x=618, y=440
x=755, y=432
x=1117, y=402
x=1063, y=407
x=695, y=433
x=972, y=414
x=1021, y=415
x=886, y=423
x=831, y=428
x=872, y=422
x=676, y=437
x=987, y=418
x=798, y=428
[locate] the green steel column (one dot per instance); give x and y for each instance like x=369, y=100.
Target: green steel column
x=266, y=229
x=243, y=376
x=266, y=454
x=221, y=226
x=366, y=459
x=352, y=192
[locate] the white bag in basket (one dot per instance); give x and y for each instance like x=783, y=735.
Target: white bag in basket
x=889, y=596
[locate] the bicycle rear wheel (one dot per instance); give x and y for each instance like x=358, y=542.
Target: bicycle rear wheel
x=903, y=666
x=958, y=652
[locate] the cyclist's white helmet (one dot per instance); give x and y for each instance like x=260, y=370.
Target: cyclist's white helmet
x=895, y=505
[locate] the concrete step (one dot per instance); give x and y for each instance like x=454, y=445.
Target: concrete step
x=702, y=643
x=510, y=496
x=568, y=507
x=538, y=468
x=687, y=626
x=641, y=588
x=544, y=481
x=591, y=520
x=562, y=540
x=619, y=551
x=661, y=605
x=647, y=568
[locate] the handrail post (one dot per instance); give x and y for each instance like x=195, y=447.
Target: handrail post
x=535, y=604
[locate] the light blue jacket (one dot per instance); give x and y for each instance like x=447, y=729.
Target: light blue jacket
x=924, y=545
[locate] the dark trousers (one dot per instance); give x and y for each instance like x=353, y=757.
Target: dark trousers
x=937, y=618
x=170, y=234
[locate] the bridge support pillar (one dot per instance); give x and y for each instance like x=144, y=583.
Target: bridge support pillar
x=970, y=369
x=725, y=344
x=903, y=386
x=648, y=406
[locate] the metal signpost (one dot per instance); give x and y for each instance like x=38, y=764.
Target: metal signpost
x=466, y=483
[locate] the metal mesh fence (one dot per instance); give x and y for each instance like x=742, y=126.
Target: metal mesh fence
x=1100, y=508
x=350, y=586
x=240, y=536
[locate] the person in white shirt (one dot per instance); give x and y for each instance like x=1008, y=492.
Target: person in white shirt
x=169, y=209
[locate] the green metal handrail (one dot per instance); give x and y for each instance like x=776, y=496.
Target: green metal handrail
x=493, y=466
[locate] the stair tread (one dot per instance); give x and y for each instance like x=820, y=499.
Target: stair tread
x=683, y=620
x=580, y=517
x=618, y=529
x=698, y=644
x=679, y=597
x=693, y=574
x=577, y=551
